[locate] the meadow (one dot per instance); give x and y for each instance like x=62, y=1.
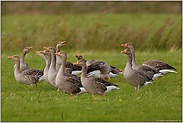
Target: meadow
x=154, y=37
x=160, y=101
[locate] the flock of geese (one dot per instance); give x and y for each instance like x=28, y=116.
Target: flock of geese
x=94, y=74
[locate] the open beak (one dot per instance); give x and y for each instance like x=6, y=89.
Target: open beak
x=63, y=43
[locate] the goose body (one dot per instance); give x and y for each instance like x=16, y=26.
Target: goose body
x=94, y=85
x=48, y=62
x=162, y=67
x=150, y=72
x=52, y=72
x=29, y=77
x=100, y=69
x=132, y=76
x=68, y=83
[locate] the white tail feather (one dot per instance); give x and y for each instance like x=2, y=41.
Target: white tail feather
x=76, y=72
x=41, y=78
x=146, y=84
x=165, y=71
x=95, y=73
x=109, y=88
x=112, y=75
x=157, y=76
x=83, y=90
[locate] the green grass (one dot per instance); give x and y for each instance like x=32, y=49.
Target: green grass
x=160, y=101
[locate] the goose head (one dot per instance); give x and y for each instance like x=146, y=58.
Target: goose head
x=128, y=45
x=14, y=58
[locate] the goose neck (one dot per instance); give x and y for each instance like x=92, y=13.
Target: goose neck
x=84, y=71
x=17, y=67
x=62, y=67
x=133, y=57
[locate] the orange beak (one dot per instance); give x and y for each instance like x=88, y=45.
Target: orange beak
x=11, y=57
x=37, y=52
x=77, y=56
x=75, y=63
x=121, y=70
x=47, y=48
x=63, y=43
x=124, y=51
x=124, y=45
x=43, y=52
x=57, y=53
x=29, y=48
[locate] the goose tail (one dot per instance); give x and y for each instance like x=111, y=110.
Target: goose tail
x=109, y=88
x=83, y=90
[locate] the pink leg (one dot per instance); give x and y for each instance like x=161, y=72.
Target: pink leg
x=135, y=89
x=58, y=89
x=72, y=96
x=93, y=95
x=138, y=88
x=104, y=95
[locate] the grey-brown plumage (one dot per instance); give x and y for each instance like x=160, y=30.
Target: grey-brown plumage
x=160, y=66
x=58, y=59
x=29, y=76
x=150, y=72
x=70, y=68
x=94, y=85
x=100, y=68
x=48, y=62
x=134, y=77
x=52, y=70
x=68, y=83
x=24, y=65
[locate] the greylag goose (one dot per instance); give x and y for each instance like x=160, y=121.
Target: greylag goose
x=29, y=76
x=24, y=65
x=48, y=62
x=70, y=68
x=58, y=59
x=134, y=77
x=52, y=70
x=160, y=66
x=94, y=85
x=67, y=83
x=151, y=73
x=100, y=69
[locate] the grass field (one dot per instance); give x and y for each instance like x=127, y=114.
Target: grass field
x=161, y=101
x=155, y=36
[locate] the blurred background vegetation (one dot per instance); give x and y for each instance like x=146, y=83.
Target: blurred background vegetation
x=90, y=7
x=92, y=25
